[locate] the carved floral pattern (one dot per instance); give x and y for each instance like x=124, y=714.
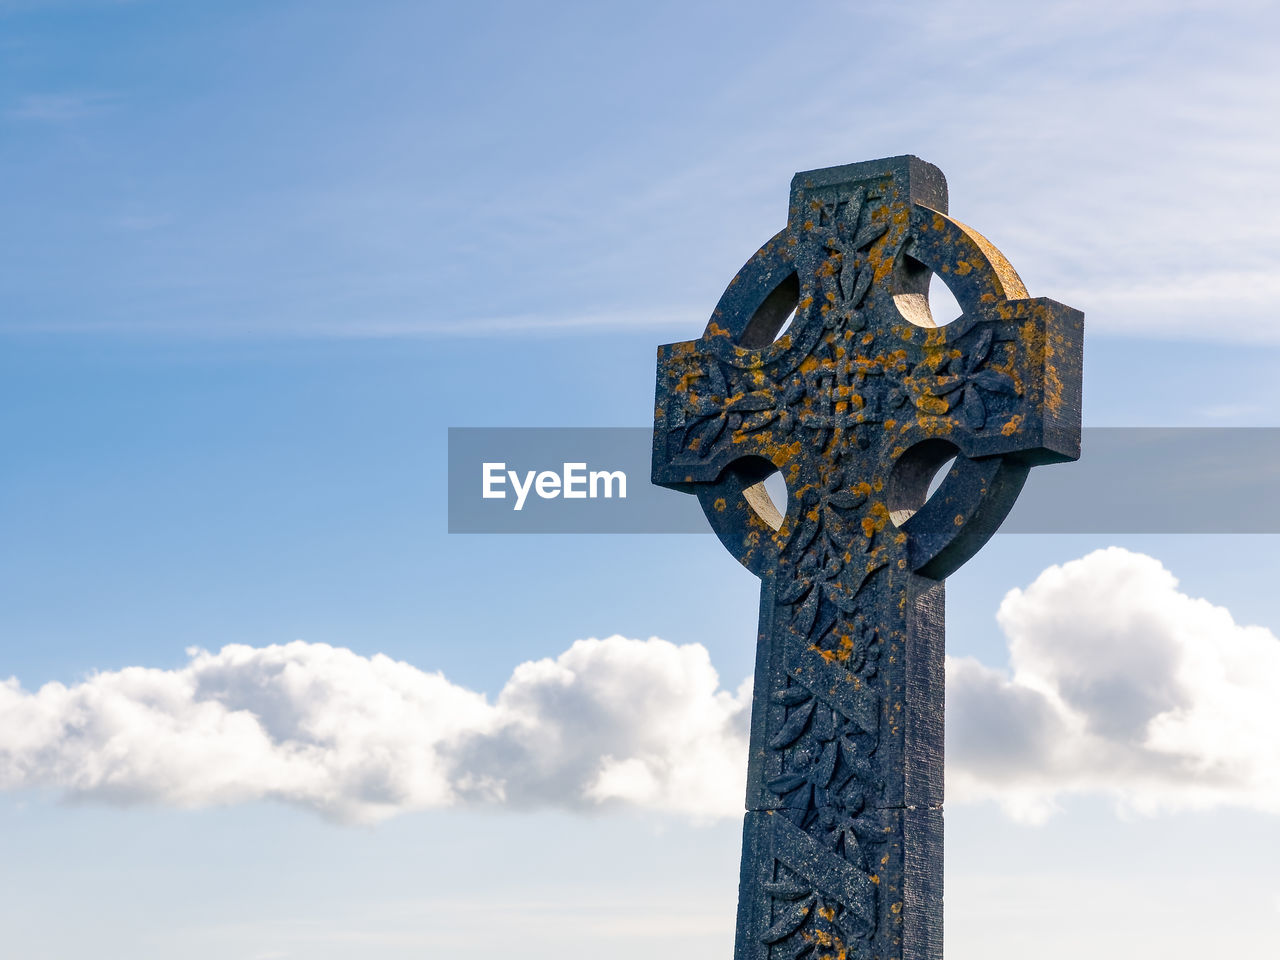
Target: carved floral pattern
x=826, y=785
x=829, y=763
x=960, y=382
x=850, y=265
x=809, y=924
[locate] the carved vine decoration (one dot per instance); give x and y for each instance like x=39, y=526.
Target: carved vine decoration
x=850, y=391
x=827, y=788
x=835, y=541
x=808, y=923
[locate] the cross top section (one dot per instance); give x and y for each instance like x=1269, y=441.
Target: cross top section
x=864, y=395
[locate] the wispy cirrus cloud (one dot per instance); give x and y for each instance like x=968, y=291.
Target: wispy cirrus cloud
x=1144, y=198
x=60, y=107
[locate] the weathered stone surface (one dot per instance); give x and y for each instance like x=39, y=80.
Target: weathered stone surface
x=858, y=403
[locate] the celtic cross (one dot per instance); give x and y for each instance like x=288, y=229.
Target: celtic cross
x=858, y=403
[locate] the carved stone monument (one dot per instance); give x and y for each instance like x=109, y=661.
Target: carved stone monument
x=858, y=403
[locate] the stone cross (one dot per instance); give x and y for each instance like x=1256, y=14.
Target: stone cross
x=859, y=401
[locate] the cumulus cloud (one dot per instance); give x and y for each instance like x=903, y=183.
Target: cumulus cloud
x=1120, y=685
x=644, y=723
x=362, y=738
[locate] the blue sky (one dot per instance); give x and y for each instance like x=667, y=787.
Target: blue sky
x=259, y=257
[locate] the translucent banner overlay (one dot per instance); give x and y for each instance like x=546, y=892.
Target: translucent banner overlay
x=1128, y=480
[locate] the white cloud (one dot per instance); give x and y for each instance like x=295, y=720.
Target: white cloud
x=1120, y=685
x=362, y=738
x=643, y=723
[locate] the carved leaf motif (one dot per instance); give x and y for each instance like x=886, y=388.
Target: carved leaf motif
x=848, y=932
x=824, y=726
x=759, y=400
x=869, y=232
x=791, y=696
x=706, y=431
x=805, y=615
x=826, y=620
x=853, y=850
x=981, y=347
x=796, y=589
x=857, y=580
x=866, y=717
x=973, y=411
x=759, y=420
x=827, y=765
x=790, y=921
x=793, y=727
x=995, y=381
x=805, y=536
x=945, y=385
x=860, y=765
x=846, y=499
x=787, y=891
x=867, y=712
x=840, y=532
x=853, y=209
x=716, y=380
x=787, y=783
x=867, y=827
x=802, y=799
x=861, y=285
x=846, y=603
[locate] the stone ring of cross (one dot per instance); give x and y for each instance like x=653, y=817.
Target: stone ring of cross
x=823, y=363
x=864, y=382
